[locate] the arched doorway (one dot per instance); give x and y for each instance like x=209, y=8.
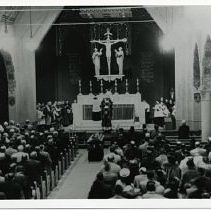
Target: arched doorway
x=4, y=108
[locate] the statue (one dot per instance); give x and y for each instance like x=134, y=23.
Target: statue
x=96, y=60
x=119, y=59
x=108, y=43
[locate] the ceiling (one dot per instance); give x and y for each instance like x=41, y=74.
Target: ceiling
x=86, y=15
x=9, y=14
x=103, y=14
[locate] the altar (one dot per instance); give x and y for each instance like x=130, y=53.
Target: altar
x=128, y=110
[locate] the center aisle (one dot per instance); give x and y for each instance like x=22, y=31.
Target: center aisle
x=78, y=181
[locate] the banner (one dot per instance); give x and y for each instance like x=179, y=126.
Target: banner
x=196, y=68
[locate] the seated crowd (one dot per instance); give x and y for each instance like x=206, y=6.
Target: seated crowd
x=149, y=166
x=25, y=155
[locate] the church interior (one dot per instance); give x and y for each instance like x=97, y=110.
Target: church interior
x=119, y=96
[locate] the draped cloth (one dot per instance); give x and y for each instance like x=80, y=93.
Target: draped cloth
x=206, y=63
x=196, y=68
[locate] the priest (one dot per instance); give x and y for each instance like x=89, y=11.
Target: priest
x=106, y=107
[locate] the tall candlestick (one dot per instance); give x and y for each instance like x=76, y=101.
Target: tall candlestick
x=90, y=86
x=101, y=86
x=137, y=84
x=126, y=86
x=115, y=84
x=79, y=82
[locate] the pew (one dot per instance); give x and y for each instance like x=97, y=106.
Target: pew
x=49, y=180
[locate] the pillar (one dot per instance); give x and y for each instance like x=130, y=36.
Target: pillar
x=206, y=114
x=184, y=89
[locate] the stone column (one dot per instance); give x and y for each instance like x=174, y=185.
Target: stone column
x=206, y=91
x=206, y=114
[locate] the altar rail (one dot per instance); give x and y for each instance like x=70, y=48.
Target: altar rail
x=119, y=112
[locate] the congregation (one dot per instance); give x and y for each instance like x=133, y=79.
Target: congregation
x=149, y=165
x=26, y=154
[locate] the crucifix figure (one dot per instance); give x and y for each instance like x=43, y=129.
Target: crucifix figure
x=108, y=43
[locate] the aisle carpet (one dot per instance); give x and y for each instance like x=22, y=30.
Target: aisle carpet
x=77, y=181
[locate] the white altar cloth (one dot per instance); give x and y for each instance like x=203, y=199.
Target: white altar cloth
x=132, y=100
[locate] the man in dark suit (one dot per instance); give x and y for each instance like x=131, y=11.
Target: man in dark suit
x=11, y=189
x=33, y=168
x=184, y=131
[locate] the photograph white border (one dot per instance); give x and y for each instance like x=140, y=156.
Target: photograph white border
x=112, y=203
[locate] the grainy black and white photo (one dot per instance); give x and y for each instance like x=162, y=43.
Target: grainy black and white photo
x=105, y=102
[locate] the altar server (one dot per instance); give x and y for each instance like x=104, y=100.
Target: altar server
x=158, y=114
x=96, y=109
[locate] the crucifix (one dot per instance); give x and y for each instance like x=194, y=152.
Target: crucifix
x=108, y=43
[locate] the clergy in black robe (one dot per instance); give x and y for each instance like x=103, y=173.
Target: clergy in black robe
x=106, y=107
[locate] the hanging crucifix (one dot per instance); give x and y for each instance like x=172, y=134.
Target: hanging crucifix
x=108, y=43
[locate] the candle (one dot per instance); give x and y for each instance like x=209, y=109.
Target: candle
x=79, y=86
x=137, y=84
x=115, y=85
x=126, y=86
x=90, y=85
x=101, y=86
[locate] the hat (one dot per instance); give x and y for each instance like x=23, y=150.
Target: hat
x=5, y=123
x=13, y=165
x=52, y=129
x=125, y=172
x=12, y=130
x=183, y=122
x=5, y=134
x=33, y=154
x=147, y=135
x=12, y=122
x=132, y=142
x=143, y=169
x=19, y=137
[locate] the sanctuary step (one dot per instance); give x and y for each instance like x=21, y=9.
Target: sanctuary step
x=83, y=136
